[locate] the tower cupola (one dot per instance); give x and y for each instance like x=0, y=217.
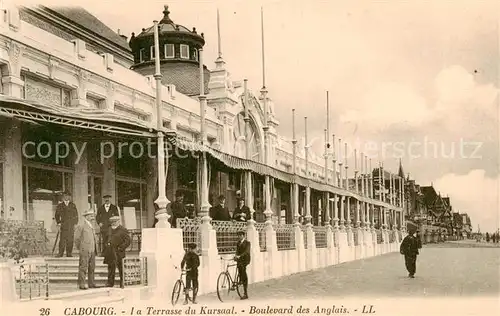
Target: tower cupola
x=179, y=48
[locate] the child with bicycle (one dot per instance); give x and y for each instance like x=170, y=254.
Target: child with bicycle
x=192, y=261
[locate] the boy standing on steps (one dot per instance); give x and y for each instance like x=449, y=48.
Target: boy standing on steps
x=192, y=262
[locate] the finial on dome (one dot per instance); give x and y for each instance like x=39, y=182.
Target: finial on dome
x=166, y=19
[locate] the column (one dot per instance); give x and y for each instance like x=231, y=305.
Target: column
x=342, y=221
x=152, y=192
x=109, y=178
x=13, y=170
x=80, y=181
x=335, y=212
x=326, y=211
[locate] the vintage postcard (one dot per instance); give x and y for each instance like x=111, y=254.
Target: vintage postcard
x=264, y=157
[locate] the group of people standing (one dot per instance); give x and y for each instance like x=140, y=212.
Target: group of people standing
x=82, y=234
x=494, y=237
x=218, y=212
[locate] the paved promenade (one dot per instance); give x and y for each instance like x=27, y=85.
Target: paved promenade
x=443, y=270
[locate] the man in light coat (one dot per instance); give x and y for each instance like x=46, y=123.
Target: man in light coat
x=86, y=243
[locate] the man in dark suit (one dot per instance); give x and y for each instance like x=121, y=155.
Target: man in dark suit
x=241, y=212
x=178, y=208
x=66, y=217
x=243, y=260
x=118, y=241
x=220, y=212
x=104, y=212
x=409, y=248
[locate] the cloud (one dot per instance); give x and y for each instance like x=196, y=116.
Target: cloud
x=475, y=194
x=461, y=105
x=389, y=104
x=462, y=101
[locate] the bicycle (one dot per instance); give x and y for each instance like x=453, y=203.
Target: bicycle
x=179, y=288
x=225, y=280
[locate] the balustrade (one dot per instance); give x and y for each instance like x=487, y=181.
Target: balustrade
x=320, y=236
x=285, y=236
x=135, y=271
x=32, y=280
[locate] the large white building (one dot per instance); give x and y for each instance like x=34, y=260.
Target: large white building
x=67, y=77
x=72, y=86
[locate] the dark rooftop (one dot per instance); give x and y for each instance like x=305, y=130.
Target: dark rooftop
x=86, y=20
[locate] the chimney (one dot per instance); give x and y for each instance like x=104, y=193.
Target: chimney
x=121, y=35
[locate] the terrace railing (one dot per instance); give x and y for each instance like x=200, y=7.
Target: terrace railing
x=135, y=271
x=285, y=236
x=226, y=233
x=32, y=280
x=320, y=236
x=191, y=233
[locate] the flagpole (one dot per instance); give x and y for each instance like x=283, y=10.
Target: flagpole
x=162, y=200
x=294, y=166
x=205, y=205
x=268, y=211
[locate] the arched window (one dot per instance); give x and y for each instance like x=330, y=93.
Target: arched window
x=239, y=138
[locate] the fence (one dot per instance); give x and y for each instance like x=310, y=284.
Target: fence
x=135, y=271
x=32, y=280
x=190, y=231
x=285, y=236
x=320, y=236
x=226, y=233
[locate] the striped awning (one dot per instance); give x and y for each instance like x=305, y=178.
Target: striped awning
x=238, y=163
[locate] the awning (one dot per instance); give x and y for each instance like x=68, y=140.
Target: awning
x=86, y=118
x=257, y=167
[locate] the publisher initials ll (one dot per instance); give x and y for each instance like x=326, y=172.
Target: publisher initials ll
x=368, y=309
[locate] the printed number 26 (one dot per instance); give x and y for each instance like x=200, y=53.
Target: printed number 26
x=44, y=311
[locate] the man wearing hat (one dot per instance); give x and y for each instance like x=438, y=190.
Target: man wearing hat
x=220, y=212
x=86, y=243
x=104, y=212
x=409, y=248
x=118, y=241
x=66, y=217
x=241, y=212
x=242, y=259
x=178, y=208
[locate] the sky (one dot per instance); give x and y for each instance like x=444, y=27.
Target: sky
x=410, y=80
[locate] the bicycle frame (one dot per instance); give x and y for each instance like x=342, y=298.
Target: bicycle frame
x=229, y=265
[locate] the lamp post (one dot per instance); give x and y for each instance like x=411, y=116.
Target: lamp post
x=162, y=200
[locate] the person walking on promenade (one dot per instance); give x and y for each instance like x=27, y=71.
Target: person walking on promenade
x=241, y=212
x=118, y=241
x=66, y=217
x=86, y=243
x=104, y=212
x=220, y=212
x=242, y=258
x=409, y=248
x=191, y=261
x=178, y=209
x=487, y=237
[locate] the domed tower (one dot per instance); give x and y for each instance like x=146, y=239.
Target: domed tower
x=179, y=62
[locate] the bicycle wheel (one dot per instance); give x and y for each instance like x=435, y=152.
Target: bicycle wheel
x=176, y=292
x=239, y=286
x=223, y=286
